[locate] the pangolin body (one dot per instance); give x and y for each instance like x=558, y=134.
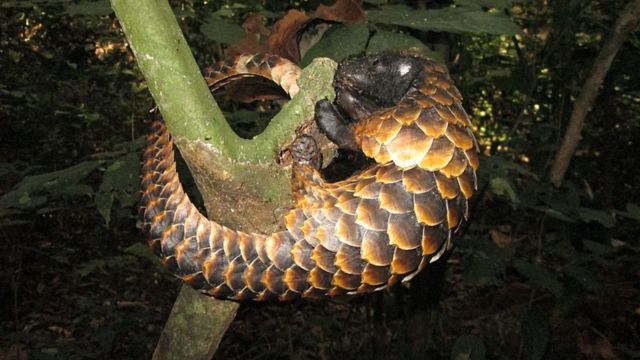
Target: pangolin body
x=362, y=234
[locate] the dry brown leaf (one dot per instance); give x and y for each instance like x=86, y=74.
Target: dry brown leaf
x=255, y=33
x=499, y=238
x=284, y=36
x=343, y=11
x=594, y=345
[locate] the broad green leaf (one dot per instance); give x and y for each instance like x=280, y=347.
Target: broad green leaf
x=142, y=251
x=634, y=210
x=451, y=19
x=584, y=277
x=221, y=30
x=535, y=334
x=554, y=214
x=479, y=4
x=503, y=187
x=338, y=43
x=597, y=248
x=599, y=216
x=91, y=8
x=387, y=40
x=120, y=181
x=29, y=192
x=538, y=276
x=468, y=347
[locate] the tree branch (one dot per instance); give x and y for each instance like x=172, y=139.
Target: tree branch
x=627, y=21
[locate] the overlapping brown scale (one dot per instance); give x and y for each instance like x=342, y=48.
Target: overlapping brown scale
x=404, y=231
x=272, y=278
x=278, y=247
x=253, y=275
x=215, y=267
x=429, y=208
x=417, y=180
x=394, y=199
x=370, y=216
x=457, y=164
x=197, y=281
x=185, y=252
x=409, y=147
x=443, y=96
x=319, y=278
x=456, y=210
x=439, y=154
x=431, y=123
x=327, y=237
x=459, y=113
x=295, y=279
x=348, y=259
x=347, y=231
x=370, y=146
x=405, y=261
x=460, y=136
x=445, y=113
x=234, y=276
x=375, y=275
x=170, y=238
x=407, y=111
x=324, y=259
x=247, y=247
x=466, y=181
x=389, y=128
x=375, y=248
x=447, y=187
x=348, y=203
x=472, y=157
x=221, y=291
x=309, y=230
x=346, y=281
x=368, y=189
x=434, y=238
x=230, y=242
x=388, y=174
x=301, y=253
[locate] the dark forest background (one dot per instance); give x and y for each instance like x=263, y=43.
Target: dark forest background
x=539, y=272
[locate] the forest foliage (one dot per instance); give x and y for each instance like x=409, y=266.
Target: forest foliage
x=539, y=271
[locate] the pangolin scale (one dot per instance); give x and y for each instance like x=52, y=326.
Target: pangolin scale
x=362, y=234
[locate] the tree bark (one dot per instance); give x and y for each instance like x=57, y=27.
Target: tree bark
x=627, y=21
x=240, y=182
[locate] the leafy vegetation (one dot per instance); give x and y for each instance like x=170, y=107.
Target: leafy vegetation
x=539, y=272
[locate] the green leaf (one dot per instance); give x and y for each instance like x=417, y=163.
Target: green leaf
x=221, y=30
x=599, y=216
x=597, y=248
x=451, y=19
x=142, y=251
x=338, y=43
x=387, y=40
x=29, y=193
x=554, y=213
x=90, y=8
x=489, y=4
x=120, y=181
x=584, y=277
x=535, y=334
x=468, y=347
x=503, y=187
x=538, y=276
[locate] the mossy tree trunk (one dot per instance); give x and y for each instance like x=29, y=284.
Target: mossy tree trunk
x=241, y=184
